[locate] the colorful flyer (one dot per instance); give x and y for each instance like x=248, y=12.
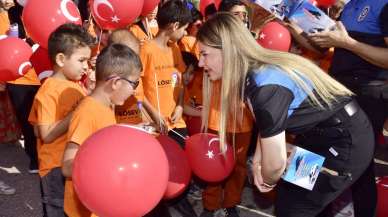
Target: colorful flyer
x=311, y=19
x=303, y=168
x=301, y=12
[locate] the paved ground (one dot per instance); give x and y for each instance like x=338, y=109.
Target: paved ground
x=26, y=201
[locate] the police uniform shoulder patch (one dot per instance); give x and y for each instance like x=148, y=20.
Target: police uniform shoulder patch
x=363, y=13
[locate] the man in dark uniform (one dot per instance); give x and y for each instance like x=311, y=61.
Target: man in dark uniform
x=360, y=61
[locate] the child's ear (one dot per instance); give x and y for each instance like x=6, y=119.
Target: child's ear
x=175, y=26
x=115, y=84
x=60, y=59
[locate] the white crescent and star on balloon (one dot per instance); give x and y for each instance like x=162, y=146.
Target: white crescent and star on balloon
x=22, y=66
x=97, y=3
x=66, y=12
x=210, y=154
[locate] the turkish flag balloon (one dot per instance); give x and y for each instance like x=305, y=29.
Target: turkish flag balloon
x=325, y=3
x=205, y=158
x=41, y=63
x=114, y=14
x=180, y=171
x=15, y=55
x=120, y=171
x=149, y=6
x=382, y=199
x=274, y=36
x=42, y=17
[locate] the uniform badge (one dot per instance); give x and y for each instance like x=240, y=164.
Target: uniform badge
x=363, y=13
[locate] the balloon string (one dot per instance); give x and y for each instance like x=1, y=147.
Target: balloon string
x=90, y=18
x=180, y=135
x=148, y=28
x=157, y=99
x=99, y=42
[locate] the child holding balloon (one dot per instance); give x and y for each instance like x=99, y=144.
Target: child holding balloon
x=162, y=79
x=117, y=73
x=136, y=109
x=69, y=51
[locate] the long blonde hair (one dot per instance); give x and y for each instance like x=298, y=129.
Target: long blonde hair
x=241, y=53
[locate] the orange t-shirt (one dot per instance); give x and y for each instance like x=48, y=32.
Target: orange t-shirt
x=323, y=61
x=89, y=117
x=33, y=119
x=189, y=44
x=53, y=101
x=130, y=112
x=140, y=34
x=162, y=78
x=214, y=114
x=30, y=78
x=4, y=22
x=193, y=91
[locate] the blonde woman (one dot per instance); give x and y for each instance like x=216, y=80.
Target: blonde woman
x=287, y=93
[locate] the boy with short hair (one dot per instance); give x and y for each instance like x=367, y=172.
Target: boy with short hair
x=117, y=75
x=163, y=68
x=136, y=110
x=69, y=52
x=162, y=77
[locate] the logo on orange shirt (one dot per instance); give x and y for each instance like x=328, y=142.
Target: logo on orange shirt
x=174, y=79
x=129, y=112
x=164, y=82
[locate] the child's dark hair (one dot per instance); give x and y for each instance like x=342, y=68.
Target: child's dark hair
x=190, y=59
x=173, y=11
x=227, y=5
x=210, y=10
x=66, y=38
x=117, y=59
x=195, y=14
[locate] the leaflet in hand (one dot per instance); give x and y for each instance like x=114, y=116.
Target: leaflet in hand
x=303, y=168
x=301, y=12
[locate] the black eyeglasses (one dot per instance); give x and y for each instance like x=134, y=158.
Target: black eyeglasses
x=134, y=84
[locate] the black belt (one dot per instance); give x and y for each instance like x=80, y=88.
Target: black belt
x=347, y=111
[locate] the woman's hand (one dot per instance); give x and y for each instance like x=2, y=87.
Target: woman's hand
x=258, y=178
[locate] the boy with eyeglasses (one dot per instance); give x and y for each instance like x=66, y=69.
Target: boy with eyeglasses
x=117, y=74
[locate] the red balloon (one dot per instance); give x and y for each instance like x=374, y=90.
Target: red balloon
x=149, y=6
x=180, y=171
x=325, y=3
x=120, y=171
x=274, y=36
x=382, y=199
x=217, y=2
x=114, y=14
x=42, y=17
x=193, y=125
x=15, y=55
x=205, y=158
x=41, y=62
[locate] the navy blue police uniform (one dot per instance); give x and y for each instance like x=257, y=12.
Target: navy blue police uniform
x=366, y=21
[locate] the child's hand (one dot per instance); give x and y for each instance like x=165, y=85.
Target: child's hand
x=177, y=115
x=161, y=126
x=188, y=75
